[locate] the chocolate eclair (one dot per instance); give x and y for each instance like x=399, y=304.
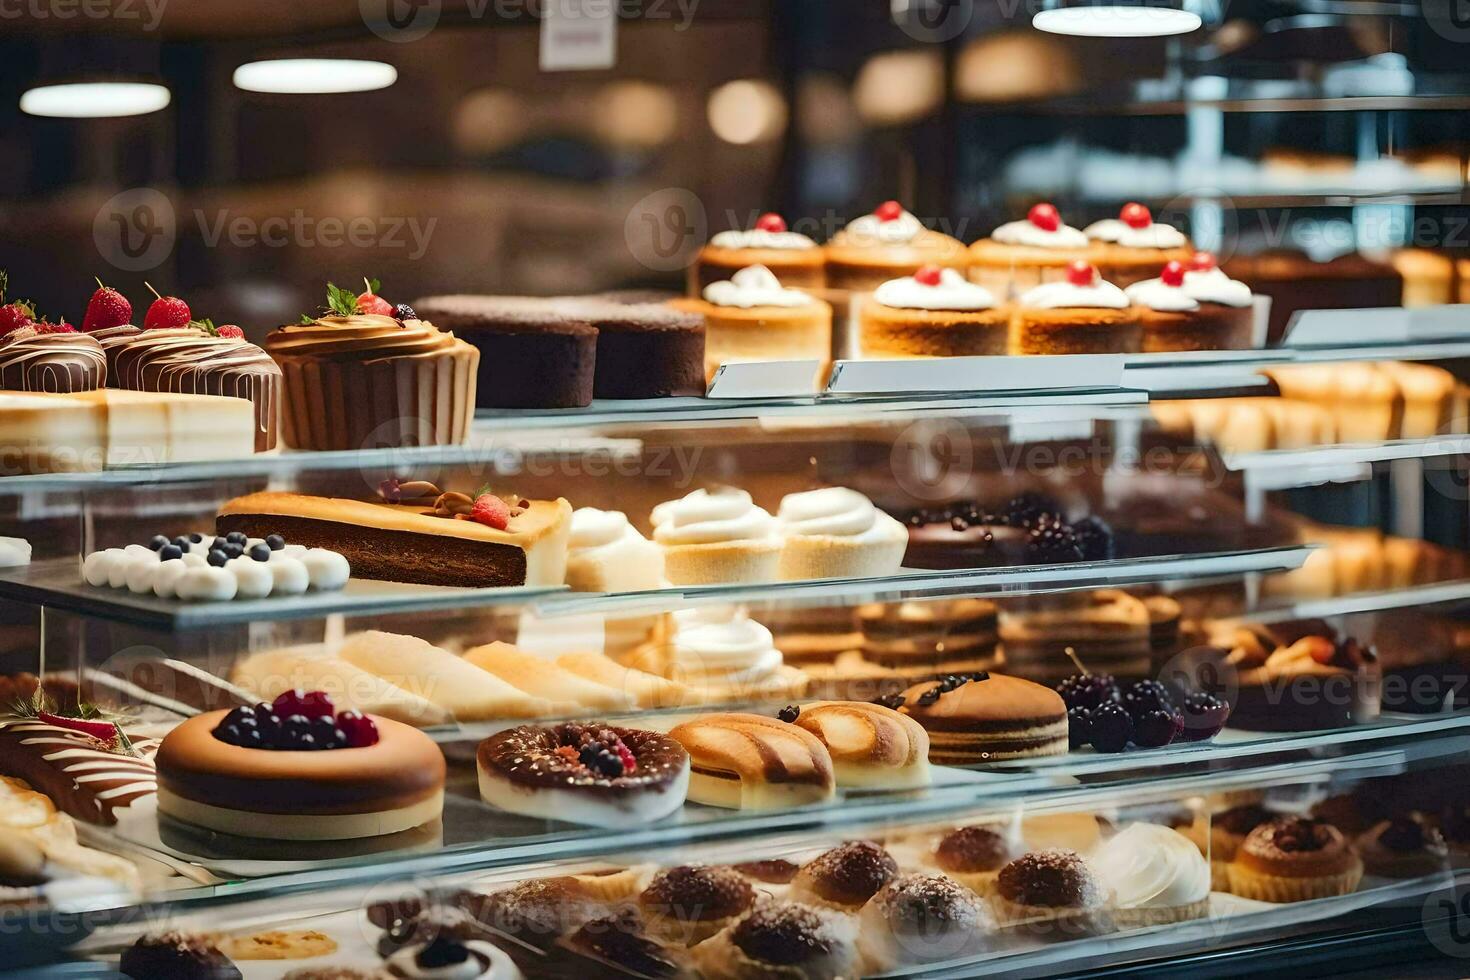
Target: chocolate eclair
x=88, y=778
x=584, y=773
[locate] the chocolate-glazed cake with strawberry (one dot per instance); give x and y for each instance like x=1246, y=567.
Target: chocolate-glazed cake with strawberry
x=367, y=374
x=194, y=357
x=37, y=355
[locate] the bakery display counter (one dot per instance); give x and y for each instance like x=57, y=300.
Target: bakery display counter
x=1110, y=877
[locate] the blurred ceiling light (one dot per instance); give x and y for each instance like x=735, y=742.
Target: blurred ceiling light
x=94, y=100
x=1012, y=66
x=747, y=111
x=634, y=113
x=824, y=110
x=1116, y=20
x=314, y=76
x=489, y=120
x=900, y=86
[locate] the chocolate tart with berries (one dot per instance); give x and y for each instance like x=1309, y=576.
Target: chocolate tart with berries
x=366, y=374
x=978, y=718
x=1403, y=847
x=416, y=534
x=298, y=770
x=1029, y=530
x=591, y=774
x=1294, y=859
x=796, y=260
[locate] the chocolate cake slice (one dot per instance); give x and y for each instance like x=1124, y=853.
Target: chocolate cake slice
x=417, y=543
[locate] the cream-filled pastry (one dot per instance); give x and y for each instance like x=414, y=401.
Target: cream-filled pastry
x=872, y=747
x=717, y=536
x=835, y=532
x=1155, y=875
x=751, y=762
x=607, y=554
x=782, y=939
x=722, y=653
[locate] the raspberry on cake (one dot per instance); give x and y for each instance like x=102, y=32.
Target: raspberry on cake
x=933, y=313
x=887, y=244
x=296, y=769
x=1174, y=319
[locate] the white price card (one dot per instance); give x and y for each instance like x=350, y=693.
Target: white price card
x=970, y=375
x=578, y=35
x=1440, y=322
x=765, y=379
x=1347, y=328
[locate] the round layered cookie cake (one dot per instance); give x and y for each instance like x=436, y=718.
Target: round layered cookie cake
x=298, y=770
x=584, y=773
x=987, y=717
x=933, y=313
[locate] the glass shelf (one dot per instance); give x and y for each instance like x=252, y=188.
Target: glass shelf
x=1273, y=610
x=57, y=584
x=1312, y=457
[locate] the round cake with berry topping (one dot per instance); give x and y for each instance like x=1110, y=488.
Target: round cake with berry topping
x=297, y=769
x=589, y=773
x=886, y=244
x=1020, y=255
x=1133, y=246
x=795, y=259
x=1080, y=315
x=933, y=313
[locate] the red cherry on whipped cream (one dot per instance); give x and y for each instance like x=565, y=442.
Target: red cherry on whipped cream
x=1135, y=215
x=888, y=211
x=1202, y=262
x=1173, y=274
x=1044, y=216
x=1081, y=273
x=928, y=275
x=771, y=221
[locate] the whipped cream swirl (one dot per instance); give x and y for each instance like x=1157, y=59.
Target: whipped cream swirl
x=954, y=292
x=720, y=646
x=873, y=230
x=1149, y=866
x=760, y=238
x=1151, y=235
x=1158, y=295
x=755, y=285
x=711, y=516
x=1215, y=286
x=834, y=511
x=1028, y=233
x=593, y=528
x=1064, y=295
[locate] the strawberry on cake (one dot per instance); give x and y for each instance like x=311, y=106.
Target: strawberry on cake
x=1021, y=254
x=41, y=356
x=1133, y=246
x=1082, y=315
x=933, y=313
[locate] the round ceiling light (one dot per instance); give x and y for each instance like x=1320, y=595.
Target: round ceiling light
x=314, y=76
x=94, y=100
x=1116, y=20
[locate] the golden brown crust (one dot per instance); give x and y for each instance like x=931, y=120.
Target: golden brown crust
x=755, y=748
x=893, y=332
x=864, y=266
x=1076, y=330
x=890, y=739
x=997, y=701
x=1294, y=847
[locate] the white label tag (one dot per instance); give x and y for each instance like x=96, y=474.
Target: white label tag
x=961, y=375
x=764, y=379
x=1440, y=322
x=1347, y=328
x=578, y=35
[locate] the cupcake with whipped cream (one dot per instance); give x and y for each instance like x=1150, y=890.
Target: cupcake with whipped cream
x=1156, y=875
x=794, y=258
x=752, y=316
x=353, y=379
x=713, y=537
x=1133, y=246
x=1226, y=306
x=1081, y=315
x=607, y=554
x=885, y=245
x=1173, y=320
x=933, y=313
x=1020, y=255
x=722, y=653
x=835, y=532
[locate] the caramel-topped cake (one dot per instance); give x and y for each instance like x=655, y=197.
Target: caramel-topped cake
x=45, y=357
x=88, y=768
x=198, y=360
x=418, y=535
x=367, y=374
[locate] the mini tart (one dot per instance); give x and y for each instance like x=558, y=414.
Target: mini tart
x=1228, y=830
x=1403, y=847
x=525, y=770
x=973, y=856
x=989, y=718
x=845, y=877
x=1051, y=893
x=887, y=331
x=782, y=941
x=1293, y=859
x=872, y=747
x=1075, y=330
x=763, y=333
x=689, y=903
x=922, y=918
x=337, y=794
